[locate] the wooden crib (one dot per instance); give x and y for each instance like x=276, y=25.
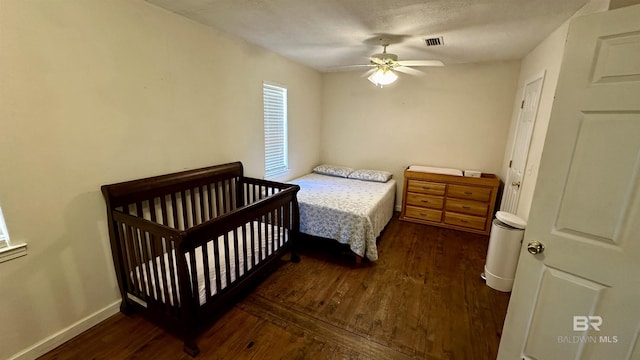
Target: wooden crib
x=187, y=245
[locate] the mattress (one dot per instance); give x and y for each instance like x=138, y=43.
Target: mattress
x=264, y=236
x=353, y=212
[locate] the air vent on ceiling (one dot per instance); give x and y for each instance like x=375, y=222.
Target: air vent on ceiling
x=436, y=41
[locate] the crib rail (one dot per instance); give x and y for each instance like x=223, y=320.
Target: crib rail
x=149, y=264
x=207, y=231
x=251, y=235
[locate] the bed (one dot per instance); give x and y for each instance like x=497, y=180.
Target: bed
x=186, y=245
x=349, y=206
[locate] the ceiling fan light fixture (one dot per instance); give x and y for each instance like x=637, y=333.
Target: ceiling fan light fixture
x=383, y=76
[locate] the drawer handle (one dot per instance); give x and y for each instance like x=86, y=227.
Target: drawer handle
x=423, y=214
x=466, y=207
x=425, y=201
x=468, y=193
x=426, y=188
x=463, y=221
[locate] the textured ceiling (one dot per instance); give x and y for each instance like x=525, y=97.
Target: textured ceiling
x=325, y=34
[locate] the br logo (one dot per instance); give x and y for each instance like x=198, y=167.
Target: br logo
x=582, y=323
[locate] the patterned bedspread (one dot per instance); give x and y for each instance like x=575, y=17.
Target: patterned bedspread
x=353, y=212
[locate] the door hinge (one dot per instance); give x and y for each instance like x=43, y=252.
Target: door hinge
x=522, y=105
x=510, y=162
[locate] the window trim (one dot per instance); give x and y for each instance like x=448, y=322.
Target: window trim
x=282, y=157
x=9, y=251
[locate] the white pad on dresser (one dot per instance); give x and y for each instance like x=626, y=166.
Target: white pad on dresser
x=435, y=170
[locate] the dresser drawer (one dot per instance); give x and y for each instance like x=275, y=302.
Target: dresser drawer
x=473, y=222
x=434, y=202
x=426, y=187
x=467, y=207
x=469, y=192
x=455, y=202
x=423, y=214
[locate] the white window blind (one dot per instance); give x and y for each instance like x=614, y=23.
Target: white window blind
x=275, y=129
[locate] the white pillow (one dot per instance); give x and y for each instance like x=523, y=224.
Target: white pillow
x=371, y=175
x=333, y=170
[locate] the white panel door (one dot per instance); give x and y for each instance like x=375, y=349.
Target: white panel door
x=522, y=140
x=580, y=297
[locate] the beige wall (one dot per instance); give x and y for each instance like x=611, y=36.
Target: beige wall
x=455, y=116
x=95, y=92
x=547, y=57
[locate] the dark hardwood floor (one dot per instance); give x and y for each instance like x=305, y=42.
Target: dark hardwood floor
x=424, y=299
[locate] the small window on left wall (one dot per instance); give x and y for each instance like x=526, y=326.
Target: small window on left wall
x=8, y=250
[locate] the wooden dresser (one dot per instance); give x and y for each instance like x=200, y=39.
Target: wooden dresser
x=456, y=202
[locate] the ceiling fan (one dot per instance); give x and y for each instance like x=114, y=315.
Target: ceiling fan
x=384, y=64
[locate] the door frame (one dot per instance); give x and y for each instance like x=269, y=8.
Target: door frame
x=539, y=75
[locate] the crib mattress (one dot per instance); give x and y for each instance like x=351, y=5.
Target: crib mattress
x=264, y=237
x=351, y=211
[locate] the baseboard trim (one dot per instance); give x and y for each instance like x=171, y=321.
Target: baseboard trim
x=67, y=333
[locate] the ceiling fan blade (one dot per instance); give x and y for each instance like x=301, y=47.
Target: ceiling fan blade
x=369, y=72
x=349, y=67
x=377, y=60
x=420, y=63
x=408, y=70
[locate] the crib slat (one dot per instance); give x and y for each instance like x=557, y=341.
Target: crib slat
x=173, y=275
x=150, y=260
x=174, y=210
x=260, y=236
x=202, y=190
x=276, y=229
x=244, y=248
x=281, y=225
x=194, y=214
x=239, y=192
x=287, y=222
x=227, y=263
x=216, y=253
x=236, y=252
x=194, y=276
x=185, y=215
x=152, y=209
x=123, y=245
x=144, y=265
x=253, y=243
x=152, y=271
x=217, y=198
x=236, y=195
x=163, y=210
x=132, y=248
x=211, y=197
x=138, y=206
x=255, y=193
x=158, y=254
x=224, y=196
x=207, y=279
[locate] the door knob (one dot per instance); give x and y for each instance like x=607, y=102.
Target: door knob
x=515, y=183
x=535, y=247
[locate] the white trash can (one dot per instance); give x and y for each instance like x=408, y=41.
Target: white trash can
x=507, y=232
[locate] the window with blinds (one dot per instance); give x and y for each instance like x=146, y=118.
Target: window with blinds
x=275, y=129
